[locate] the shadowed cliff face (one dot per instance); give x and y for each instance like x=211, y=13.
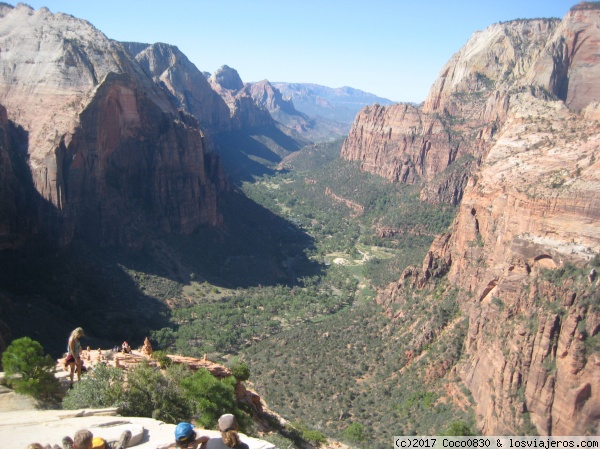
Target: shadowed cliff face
x=569, y=66
x=8, y=186
x=130, y=170
x=107, y=150
x=468, y=102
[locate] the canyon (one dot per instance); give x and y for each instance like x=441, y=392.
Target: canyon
x=119, y=144
x=523, y=246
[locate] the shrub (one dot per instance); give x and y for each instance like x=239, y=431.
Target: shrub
x=163, y=360
x=153, y=394
x=212, y=398
x=459, y=428
x=314, y=437
x=28, y=370
x=102, y=387
x=355, y=433
x=241, y=371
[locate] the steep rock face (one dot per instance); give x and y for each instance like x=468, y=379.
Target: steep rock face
x=117, y=195
x=283, y=111
x=569, y=66
x=526, y=221
x=464, y=109
x=8, y=187
x=95, y=153
x=448, y=187
x=244, y=112
x=171, y=69
x=269, y=97
x=390, y=141
x=227, y=78
x=534, y=205
x=523, y=248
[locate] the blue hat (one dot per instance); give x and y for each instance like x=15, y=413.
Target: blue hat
x=183, y=431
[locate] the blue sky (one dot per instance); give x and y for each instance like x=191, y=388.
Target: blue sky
x=392, y=48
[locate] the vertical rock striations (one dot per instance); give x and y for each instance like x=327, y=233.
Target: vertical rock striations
x=110, y=155
x=569, y=66
x=190, y=90
x=524, y=249
x=468, y=102
x=527, y=221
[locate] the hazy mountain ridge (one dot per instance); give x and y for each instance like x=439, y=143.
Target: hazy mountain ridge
x=314, y=128
x=336, y=104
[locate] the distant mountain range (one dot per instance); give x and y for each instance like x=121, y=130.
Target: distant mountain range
x=336, y=104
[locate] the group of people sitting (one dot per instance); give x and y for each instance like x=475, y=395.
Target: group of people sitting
x=185, y=438
x=84, y=439
x=124, y=348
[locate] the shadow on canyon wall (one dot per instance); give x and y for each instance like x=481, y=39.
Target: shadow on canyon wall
x=49, y=287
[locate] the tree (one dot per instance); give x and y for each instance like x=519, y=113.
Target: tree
x=355, y=432
x=165, y=338
x=28, y=370
x=240, y=371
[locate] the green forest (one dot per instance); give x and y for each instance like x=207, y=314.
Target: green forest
x=321, y=352
x=287, y=288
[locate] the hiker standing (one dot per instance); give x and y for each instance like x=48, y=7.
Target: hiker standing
x=74, y=353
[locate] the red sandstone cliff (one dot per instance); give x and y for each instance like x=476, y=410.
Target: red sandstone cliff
x=535, y=205
x=523, y=247
x=108, y=151
x=468, y=102
x=528, y=218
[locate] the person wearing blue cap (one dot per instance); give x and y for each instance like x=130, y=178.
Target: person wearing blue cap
x=185, y=437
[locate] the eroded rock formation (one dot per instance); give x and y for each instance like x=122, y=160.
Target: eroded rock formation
x=522, y=249
x=244, y=112
x=281, y=109
x=171, y=69
x=110, y=156
x=534, y=206
x=527, y=221
x=469, y=101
